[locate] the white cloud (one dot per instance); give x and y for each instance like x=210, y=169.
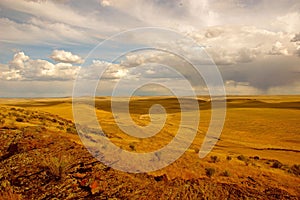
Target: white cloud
x=49, y=11
x=66, y=57
x=24, y=68
x=43, y=24
x=105, y=3
x=40, y=31
x=240, y=44
x=18, y=61
x=279, y=49
x=289, y=22
x=110, y=71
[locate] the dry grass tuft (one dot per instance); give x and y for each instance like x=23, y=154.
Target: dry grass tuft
x=57, y=165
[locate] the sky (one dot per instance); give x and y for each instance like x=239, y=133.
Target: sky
x=45, y=46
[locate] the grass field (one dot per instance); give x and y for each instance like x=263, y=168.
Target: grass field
x=258, y=150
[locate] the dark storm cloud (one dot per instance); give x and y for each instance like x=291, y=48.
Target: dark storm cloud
x=265, y=73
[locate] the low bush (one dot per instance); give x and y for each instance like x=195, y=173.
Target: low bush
x=256, y=158
x=57, y=165
x=226, y=173
x=277, y=164
x=242, y=158
x=295, y=169
x=19, y=119
x=132, y=147
x=210, y=171
x=214, y=159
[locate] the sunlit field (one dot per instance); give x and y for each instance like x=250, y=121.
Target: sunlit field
x=257, y=154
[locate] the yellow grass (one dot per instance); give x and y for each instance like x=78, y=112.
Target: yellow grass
x=264, y=126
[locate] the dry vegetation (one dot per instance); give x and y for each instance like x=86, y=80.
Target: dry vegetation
x=257, y=156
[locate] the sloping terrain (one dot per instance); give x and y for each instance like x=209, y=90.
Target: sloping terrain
x=41, y=157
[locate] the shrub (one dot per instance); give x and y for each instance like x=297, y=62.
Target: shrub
x=226, y=173
x=242, y=158
x=256, y=158
x=132, y=147
x=277, y=164
x=19, y=119
x=61, y=123
x=57, y=166
x=210, y=171
x=228, y=158
x=71, y=130
x=214, y=159
x=60, y=128
x=295, y=169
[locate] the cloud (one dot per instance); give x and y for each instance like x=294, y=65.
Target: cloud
x=296, y=38
x=230, y=45
x=38, y=22
x=248, y=68
x=65, y=57
x=265, y=73
x=255, y=43
x=289, y=22
x=47, y=10
x=110, y=71
x=105, y=3
x=240, y=88
x=297, y=52
x=279, y=49
x=296, y=41
x=40, y=31
x=22, y=68
x=18, y=61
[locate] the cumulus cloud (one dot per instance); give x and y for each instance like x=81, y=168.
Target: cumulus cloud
x=18, y=61
x=105, y=3
x=24, y=68
x=279, y=49
x=230, y=45
x=296, y=41
x=65, y=57
x=109, y=71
